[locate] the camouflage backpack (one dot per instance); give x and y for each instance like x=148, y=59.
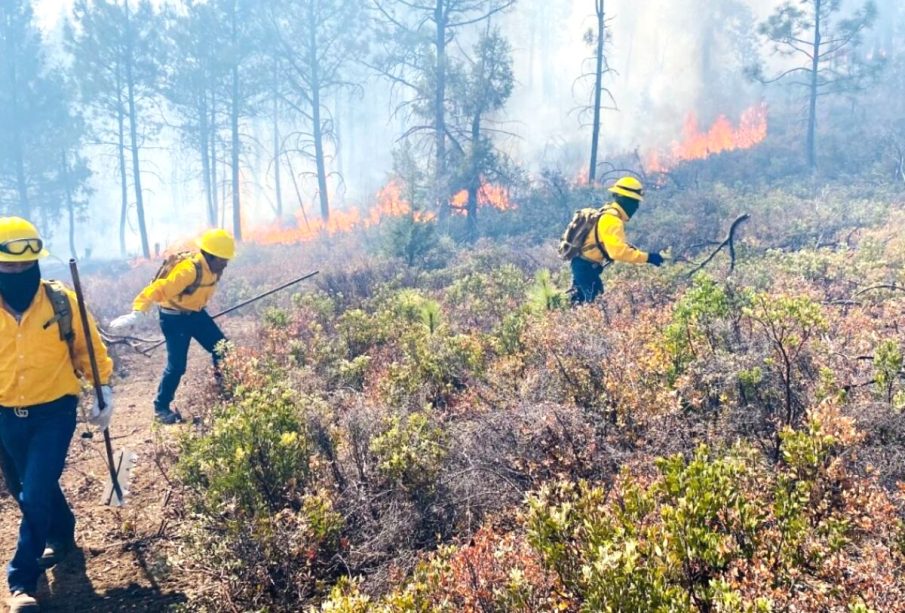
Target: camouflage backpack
x=584, y=221
x=173, y=260
x=62, y=311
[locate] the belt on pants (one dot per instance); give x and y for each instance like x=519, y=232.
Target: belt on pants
x=166, y=311
x=26, y=411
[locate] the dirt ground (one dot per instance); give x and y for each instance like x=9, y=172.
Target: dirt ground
x=122, y=561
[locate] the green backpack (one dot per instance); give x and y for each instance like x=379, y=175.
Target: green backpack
x=62, y=313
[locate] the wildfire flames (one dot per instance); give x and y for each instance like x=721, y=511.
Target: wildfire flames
x=390, y=203
x=489, y=195
x=721, y=136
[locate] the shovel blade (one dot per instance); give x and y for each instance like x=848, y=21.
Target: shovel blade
x=123, y=461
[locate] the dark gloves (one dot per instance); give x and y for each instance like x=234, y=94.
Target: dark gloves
x=654, y=258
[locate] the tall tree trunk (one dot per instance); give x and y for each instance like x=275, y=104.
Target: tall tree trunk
x=234, y=127
x=318, y=128
x=812, y=102
x=18, y=147
x=234, y=154
x=204, y=149
x=277, y=140
x=598, y=92
x=121, y=160
x=70, y=205
x=215, y=186
x=440, y=171
x=21, y=180
x=474, y=180
x=319, y=158
x=133, y=137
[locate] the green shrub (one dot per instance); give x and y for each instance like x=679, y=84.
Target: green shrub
x=260, y=517
x=410, y=450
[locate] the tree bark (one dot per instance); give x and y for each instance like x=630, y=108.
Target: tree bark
x=317, y=127
x=21, y=180
x=277, y=145
x=204, y=147
x=121, y=151
x=474, y=183
x=217, y=215
x=70, y=205
x=234, y=126
x=133, y=136
x=812, y=102
x=598, y=92
x=440, y=18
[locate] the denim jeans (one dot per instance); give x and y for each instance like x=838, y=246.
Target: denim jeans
x=178, y=331
x=586, y=283
x=37, y=445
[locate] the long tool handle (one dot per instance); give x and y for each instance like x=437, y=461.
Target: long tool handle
x=247, y=302
x=95, y=376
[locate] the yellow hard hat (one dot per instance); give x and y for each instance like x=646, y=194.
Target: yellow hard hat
x=218, y=242
x=20, y=241
x=630, y=187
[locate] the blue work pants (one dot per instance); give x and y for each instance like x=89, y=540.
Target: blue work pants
x=179, y=330
x=36, y=439
x=586, y=282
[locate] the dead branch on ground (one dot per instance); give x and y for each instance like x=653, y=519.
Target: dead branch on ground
x=729, y=241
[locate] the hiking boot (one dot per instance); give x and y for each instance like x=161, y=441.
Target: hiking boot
x=167, y=417
x=21, y=601
x=54, y=553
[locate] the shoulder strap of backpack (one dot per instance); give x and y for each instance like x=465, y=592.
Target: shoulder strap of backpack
x=597, y=242
x=194, y=285
x=62, y=313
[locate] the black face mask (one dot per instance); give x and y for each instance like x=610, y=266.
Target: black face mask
x=629, y=205
x=18, y=289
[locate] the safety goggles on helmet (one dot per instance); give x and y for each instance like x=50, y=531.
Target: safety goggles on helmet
x=19, y=246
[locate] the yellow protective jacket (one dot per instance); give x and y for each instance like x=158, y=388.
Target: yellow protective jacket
x=35, y=363
x=168, y=291
x=611, y=234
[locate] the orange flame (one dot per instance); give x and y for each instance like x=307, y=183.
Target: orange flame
x=489, y=195
x=720, y=137
x=389, y=204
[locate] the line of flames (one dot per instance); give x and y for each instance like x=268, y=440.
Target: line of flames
x=389, y=203
x=720, y=137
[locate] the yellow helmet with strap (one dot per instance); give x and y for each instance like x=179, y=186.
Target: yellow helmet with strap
x=218, y=242
x=630, y=187
x=20, y=241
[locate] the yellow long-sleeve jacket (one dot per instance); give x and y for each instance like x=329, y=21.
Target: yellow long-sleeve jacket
x=168, y=292
x=35, y=363
x=611, y=234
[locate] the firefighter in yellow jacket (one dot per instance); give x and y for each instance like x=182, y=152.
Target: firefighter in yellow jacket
x=607, y=243
x=43, y=353
x=181, y=296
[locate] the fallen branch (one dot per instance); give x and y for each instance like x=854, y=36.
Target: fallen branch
x=882, y=286
x=852, y=302
x=729, y=241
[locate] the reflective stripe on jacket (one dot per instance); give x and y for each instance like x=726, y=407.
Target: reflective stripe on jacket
x=35, y=365
x=611, y=234
x=168, y=292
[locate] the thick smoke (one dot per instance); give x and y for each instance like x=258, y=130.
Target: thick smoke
x=667, y=58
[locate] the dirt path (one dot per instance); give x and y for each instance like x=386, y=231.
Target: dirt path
x=122, y=562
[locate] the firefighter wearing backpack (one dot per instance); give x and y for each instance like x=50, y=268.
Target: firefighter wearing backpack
x=596, y=236
x=182, y=289
x=43, y=354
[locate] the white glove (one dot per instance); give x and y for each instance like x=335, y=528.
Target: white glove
x=124, y=322
x=101, y=419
